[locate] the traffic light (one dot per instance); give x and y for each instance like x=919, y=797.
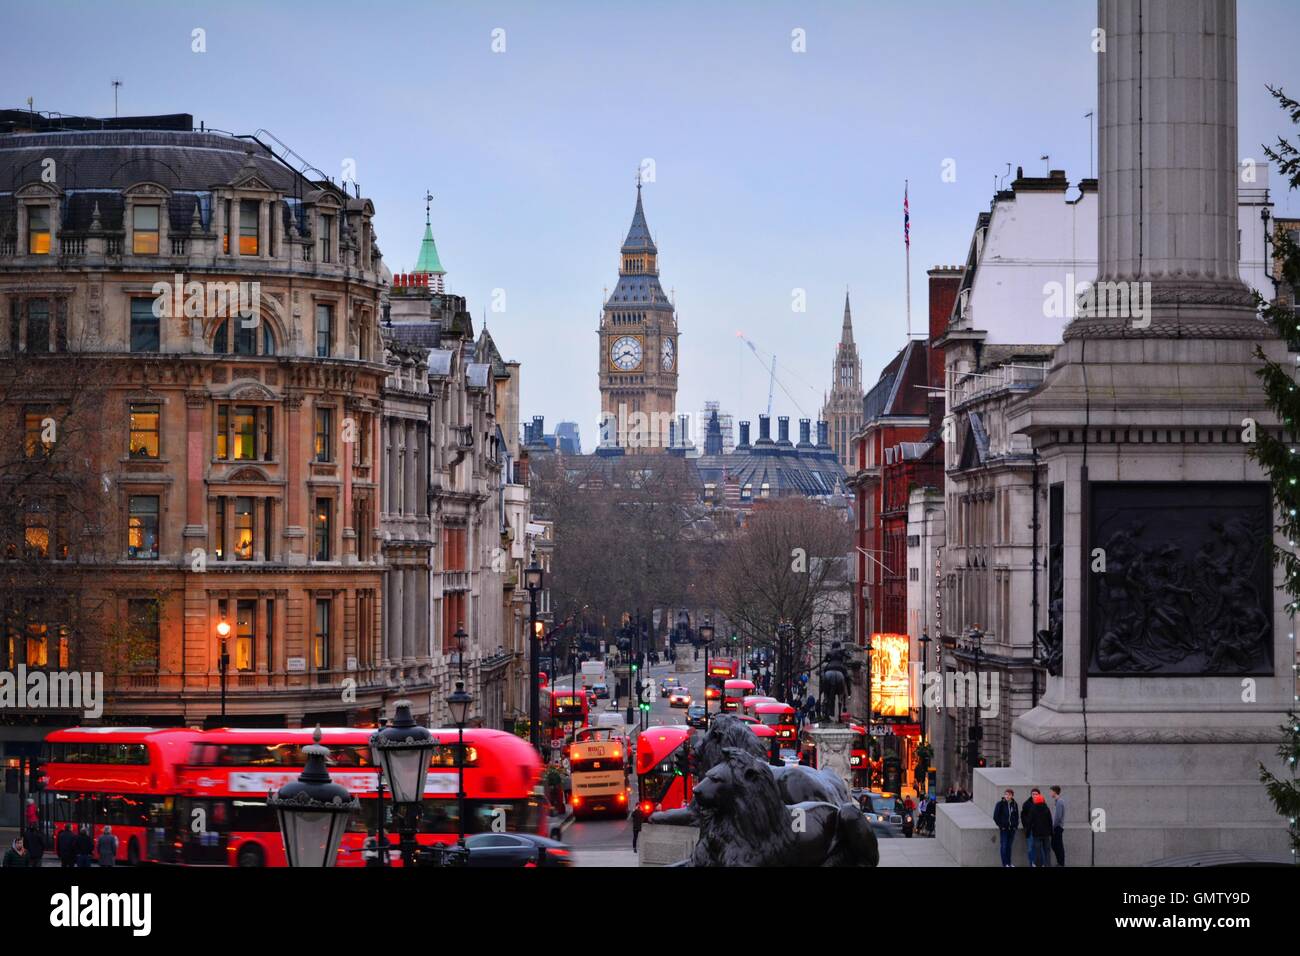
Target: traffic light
x=976, y=732
x=973, y=754
x=36, y=776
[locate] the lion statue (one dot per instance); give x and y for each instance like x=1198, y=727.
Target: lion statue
x=725, y=730
x=797, y=784
x=744, y=821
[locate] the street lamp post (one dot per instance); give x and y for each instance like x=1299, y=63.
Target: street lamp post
x=313, y=811
x=978, y=735
x=706, y=638
x=785, y=632
x=223, y=662
x=533, y=578
x=458, y=702
x=821, y=630
x=404, y=749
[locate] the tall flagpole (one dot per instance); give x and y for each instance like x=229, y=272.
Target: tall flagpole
x=907, y=242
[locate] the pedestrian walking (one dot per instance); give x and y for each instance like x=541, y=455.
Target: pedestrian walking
x=85, y=846
x=14, y=855
x=30, y=815
x=1058, y=824
x=65, y=846
x=636, y=825
x=1006, y=815
x=107, y=848
x=34, y=844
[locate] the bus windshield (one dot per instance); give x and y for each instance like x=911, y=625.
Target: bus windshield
x=596, y=764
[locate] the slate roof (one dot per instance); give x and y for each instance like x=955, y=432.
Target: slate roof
x=426, y=335
x=896, y=392
x=116, y=159
x=94, y=166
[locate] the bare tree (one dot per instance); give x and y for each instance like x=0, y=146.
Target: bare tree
x=782, y=567
x=627, y=533
x=59, y=513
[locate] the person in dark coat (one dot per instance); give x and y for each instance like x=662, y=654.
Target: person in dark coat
x=1007, y=817
x=14, y=856
x=85, y=846
x=1036, y=818
x=107, y=845
x=65, y=846
x=35, y=845
x=636, y=824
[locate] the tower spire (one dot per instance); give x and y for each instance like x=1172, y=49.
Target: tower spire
x=428, y=262
x=846, y=334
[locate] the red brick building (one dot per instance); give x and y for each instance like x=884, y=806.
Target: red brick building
x=899, y=448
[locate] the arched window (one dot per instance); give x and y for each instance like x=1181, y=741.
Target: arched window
x=244, y=340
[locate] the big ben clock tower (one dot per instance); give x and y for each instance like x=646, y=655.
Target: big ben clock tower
x=638, y=358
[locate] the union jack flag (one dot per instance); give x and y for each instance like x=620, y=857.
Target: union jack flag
x=907, y=221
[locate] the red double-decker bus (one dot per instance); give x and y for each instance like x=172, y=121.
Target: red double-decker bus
x=222, y=817
x=123, y=777
x=781, y=718
x=734, y=691
x=721, y=670
x=569, y=709
x=662, y=762
x=859, y=757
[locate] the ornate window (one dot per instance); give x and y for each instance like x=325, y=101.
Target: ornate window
x=38, y=230
x=324, y=441
x=144, y=230
x=145, y=326
x=248, y=226
x=245, y=432
x=322, y=522
x=320, y=637
x=324, y=330
x=142, y=528
x=245, y=339
x=146, y=440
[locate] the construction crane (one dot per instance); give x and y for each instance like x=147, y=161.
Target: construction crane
x=772, y=381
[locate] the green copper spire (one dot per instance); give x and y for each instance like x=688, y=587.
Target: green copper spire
x=428, y=261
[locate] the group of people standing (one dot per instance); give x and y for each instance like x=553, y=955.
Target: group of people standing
x=74, y=844
x=1044, y=826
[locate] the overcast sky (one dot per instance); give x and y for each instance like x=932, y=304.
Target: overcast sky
x=774, y=170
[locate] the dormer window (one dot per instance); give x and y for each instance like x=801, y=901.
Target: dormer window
x=248, y=222
x=326, y=237
x=38, y=230
x=144, y=230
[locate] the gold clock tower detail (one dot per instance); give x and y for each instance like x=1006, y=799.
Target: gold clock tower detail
x=638, y=358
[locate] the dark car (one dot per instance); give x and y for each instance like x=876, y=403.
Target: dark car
x=516, y=849
x=695, y=716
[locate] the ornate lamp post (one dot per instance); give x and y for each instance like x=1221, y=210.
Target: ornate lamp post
x=706, y=638
x=458, y=702
x=223, y=662
x=313, y=811
x=404, y=749
x=784, y=631
x=533, y=579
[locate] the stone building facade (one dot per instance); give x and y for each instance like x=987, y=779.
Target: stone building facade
x=235, y=440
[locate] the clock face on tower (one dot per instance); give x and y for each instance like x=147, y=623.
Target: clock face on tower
x=666, y=355
x=625, y=353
